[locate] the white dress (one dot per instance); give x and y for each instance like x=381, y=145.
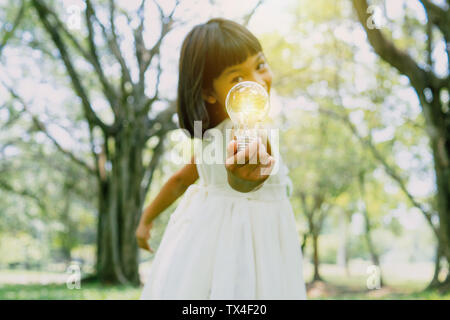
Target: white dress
x=223, y=244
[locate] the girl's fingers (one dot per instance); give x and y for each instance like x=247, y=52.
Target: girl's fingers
x=147, y=247
x=142, y=243
x=230, y=160
x=263, y=155
x=250, y=155
x=260, y=157
x=146, y=242
x=253, y=163
x=240, y=156
x=254, y=157
x=265, y=170
x=231, y=148
x=239, y=159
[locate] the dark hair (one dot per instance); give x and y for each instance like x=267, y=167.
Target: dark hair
x=207, y=50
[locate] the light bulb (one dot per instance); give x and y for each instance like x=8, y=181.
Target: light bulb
x=247, y=104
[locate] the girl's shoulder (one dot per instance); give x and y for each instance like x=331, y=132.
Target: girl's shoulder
x=219, y=131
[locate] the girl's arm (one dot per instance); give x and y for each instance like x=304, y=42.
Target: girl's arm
x=171, y=191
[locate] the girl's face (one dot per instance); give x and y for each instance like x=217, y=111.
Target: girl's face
x=255, y=68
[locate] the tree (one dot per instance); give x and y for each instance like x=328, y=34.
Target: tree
x=428, y=87
x=367, y=223
x=321, y=168
x=122, y=175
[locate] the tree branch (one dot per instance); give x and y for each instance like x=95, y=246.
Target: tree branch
x=248, y=16
x=139, y=45
x=389, y=169
x=149, y=101
x=165, y=119
x=441, y=18
x=148, y=175
x=308, y=212
x=10, y=33
x=144, y=55
x=41, y=126
x=391, y=54
x=91, y=56
x=76, y=82
x=113, y=42
x=107, y=87
x=438, y=17
x=24, y=193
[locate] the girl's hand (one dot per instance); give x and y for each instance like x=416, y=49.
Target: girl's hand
x=252, y=166
x=143, y=235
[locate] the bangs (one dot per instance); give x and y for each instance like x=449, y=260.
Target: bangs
x=227, y=45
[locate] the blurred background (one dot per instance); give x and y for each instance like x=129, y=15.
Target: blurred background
x=88, y=126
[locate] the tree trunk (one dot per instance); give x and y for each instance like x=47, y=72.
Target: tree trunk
x=373, y=253
x=442, y=170
x=437, y=268
x=342, y=252
x=120, y=207
x=438, y=128
x=67, y=234
x=303, y=245
x=435, y=283
x=316, y=276
x=367, y=230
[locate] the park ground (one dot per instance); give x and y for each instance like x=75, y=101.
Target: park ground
x=400, y=282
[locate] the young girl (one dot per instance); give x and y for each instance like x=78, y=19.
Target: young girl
x=233, y=233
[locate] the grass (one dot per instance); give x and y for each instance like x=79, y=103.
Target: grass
x=96, y=291
x=328, y=290
x=91, y=291
x=400, y=281
x=337, y=285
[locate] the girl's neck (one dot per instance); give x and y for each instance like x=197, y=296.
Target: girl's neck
x=217, y=114
x=215, y=123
